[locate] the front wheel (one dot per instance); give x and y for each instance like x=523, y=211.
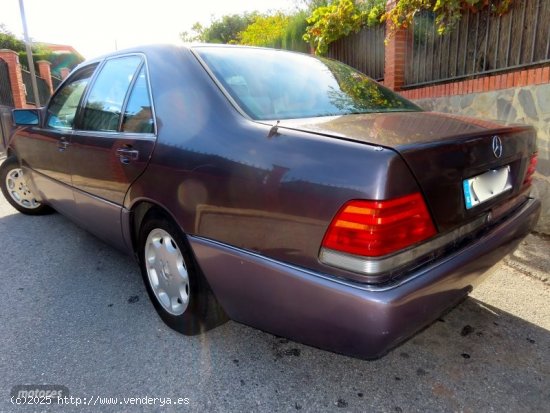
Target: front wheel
x=16, y=191
x=178, y=290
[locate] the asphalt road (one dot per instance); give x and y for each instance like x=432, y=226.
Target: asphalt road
x=74, y=312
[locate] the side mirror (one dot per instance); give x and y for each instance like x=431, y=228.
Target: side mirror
x=25, y=117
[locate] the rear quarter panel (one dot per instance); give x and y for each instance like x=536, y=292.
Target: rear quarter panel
x=221, y=177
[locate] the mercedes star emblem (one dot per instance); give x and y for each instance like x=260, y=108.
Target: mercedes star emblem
x=497, y=146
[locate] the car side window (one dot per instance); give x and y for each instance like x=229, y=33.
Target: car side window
x=63, y=107
x=138, y=115
x=103, y=106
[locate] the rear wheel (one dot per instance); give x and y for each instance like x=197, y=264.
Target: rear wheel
x=178, y=290
x=16, y=191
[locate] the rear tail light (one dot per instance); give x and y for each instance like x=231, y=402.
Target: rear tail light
x=530, y=170
x=377, y=228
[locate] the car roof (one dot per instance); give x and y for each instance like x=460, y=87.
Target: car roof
x=155, y=48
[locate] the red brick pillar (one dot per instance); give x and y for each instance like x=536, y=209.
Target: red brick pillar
x=394, y=62
x=16, y=78
x=45, y=73
x=64, y=73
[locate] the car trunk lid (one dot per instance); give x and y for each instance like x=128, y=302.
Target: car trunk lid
x=443, y=151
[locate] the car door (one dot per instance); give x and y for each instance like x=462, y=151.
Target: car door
x=112, y=143
x=45, y=149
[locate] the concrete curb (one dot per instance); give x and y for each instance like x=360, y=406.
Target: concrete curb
x=531, y=258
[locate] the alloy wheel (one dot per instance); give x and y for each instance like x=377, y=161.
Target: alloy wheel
x=19, y=191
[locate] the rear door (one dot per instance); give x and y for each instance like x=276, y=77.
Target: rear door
x=112, y=143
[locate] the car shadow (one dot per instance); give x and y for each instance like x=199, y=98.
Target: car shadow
x=75, y=312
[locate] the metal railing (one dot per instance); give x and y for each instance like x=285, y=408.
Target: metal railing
x=43, y=89
x=56, y=81
x=363, y=51
x=6, y=96
x=481, y=43
x=5, y=128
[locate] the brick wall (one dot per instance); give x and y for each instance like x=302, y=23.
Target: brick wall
x=527, y=77
x=18, y=89
x=16, y=79
x=44, y=70
x=394, y=58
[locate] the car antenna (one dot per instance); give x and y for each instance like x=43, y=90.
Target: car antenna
x=273, y=131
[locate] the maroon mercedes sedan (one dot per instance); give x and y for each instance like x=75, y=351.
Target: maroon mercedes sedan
x=284, y=191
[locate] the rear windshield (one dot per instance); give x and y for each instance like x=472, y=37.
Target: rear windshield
x=271, y=84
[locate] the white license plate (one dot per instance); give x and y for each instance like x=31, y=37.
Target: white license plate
x=483, y=187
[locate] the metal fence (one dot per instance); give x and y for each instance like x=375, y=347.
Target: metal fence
x=363, y=51
x=6, y=96
x=43, y=89
x=5, y=128
x=56, y=81
x=482, y=43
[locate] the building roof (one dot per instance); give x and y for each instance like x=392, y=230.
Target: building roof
x=61, y=48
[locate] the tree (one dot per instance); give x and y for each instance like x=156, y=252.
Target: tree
x=265, y=30
x=9, y=41
x=310, y=5
x=270, y=30
x=39, y=52
x=293, y=36
x=197, y=32
x=224, y=30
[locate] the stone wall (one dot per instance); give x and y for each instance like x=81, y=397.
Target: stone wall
x=528, y=104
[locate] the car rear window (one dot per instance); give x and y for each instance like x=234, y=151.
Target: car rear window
x=272, y=84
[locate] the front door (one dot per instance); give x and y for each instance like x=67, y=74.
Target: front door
x=44, y=150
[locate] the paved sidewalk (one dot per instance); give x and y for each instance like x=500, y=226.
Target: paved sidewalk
x=533, y=257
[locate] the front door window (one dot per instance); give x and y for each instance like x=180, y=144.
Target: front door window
x=63, y=107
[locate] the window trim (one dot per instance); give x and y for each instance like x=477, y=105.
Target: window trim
x=221, y=87
x=61, y=87
x=129, y=95
x=118, y=133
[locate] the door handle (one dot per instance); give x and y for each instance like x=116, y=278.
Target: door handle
x=62, y=144
x=126, y=155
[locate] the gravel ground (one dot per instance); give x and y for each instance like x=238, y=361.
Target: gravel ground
x=74, y=312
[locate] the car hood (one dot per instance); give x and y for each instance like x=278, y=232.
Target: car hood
x=394, y=129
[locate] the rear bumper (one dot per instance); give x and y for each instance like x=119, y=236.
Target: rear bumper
x=353, y=319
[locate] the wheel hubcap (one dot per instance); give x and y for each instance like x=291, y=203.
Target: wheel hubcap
x=166, y=271
x=19, y=191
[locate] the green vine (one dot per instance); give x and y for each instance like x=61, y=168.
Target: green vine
x=339, y=18
x=447, y=12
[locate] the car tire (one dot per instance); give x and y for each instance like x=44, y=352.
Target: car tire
x=15, y=189
x=176, y=286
